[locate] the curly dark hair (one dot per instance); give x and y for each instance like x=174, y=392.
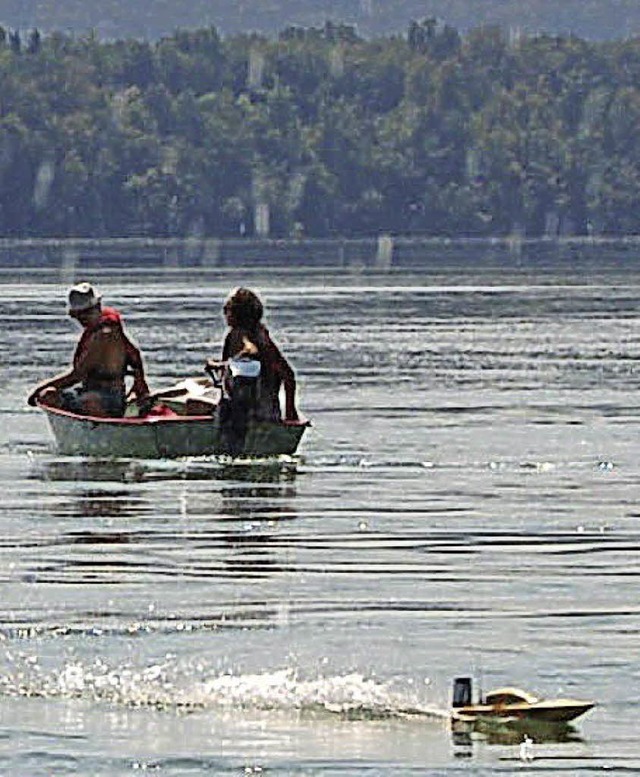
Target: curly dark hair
x=244, y=309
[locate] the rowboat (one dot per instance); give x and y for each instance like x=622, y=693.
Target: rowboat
x=169, y=434
x=512, y=705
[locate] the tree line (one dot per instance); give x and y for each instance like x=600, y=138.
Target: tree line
x=319, y=132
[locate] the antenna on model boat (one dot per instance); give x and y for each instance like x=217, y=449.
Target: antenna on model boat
x=477, y=673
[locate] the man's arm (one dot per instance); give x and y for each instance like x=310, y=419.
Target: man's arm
x=134, y=361
x=64, y=380
x=61, y=381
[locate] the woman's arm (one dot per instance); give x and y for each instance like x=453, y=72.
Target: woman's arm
x=284, y=371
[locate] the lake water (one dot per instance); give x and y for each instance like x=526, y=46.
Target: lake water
x=465, y=503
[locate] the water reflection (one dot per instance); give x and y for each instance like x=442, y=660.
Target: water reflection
x=258, y=504
x=102, y=504
x=83, y=470
x=97, y=538
x=465, y=740
x=462, y=744
x=224, y=514
x=282, y=469
x=276, y=471
x=257, y=512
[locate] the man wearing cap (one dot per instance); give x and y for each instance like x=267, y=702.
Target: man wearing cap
x=103, y=356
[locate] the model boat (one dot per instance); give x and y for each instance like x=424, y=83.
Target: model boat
x=513, y=704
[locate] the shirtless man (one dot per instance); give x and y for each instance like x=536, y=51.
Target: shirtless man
x=103, y=356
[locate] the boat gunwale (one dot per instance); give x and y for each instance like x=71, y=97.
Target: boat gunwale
x=544, y=705
x=150, y=419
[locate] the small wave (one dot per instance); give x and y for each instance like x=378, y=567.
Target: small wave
x=363, y=462
x=353, y=696
x=356, y=461
x=350, y=696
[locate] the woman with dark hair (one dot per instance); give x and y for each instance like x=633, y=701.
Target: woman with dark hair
x=248, y=338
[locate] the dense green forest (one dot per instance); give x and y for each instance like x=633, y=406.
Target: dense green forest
x=319, y=132
x=151, y=19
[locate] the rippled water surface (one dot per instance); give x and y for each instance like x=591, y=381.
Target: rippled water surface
x=465, y=503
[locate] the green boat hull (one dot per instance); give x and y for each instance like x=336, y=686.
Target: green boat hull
x=162, y=437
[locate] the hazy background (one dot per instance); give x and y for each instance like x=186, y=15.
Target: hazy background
x=595, y=19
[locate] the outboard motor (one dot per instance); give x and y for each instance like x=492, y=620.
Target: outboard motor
x=462, y=692
x=240, y=388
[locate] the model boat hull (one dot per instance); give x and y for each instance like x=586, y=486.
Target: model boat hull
x=549, y=711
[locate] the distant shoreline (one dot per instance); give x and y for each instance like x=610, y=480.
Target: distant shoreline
x=384, y=253
x=153, y=19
